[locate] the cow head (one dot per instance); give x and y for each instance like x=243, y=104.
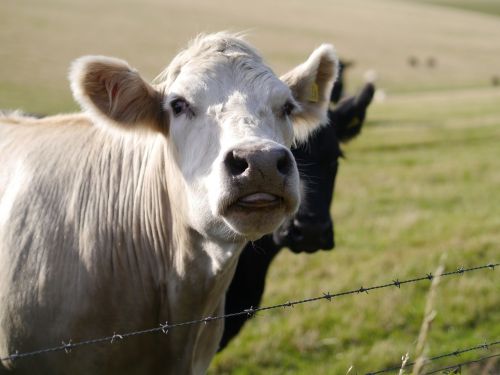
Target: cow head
x=227, y=123
x=312, y=227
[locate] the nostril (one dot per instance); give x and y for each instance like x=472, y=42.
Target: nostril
x=284, y=163
x=235, y=164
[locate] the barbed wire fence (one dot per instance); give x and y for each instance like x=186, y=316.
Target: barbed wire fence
x=166, y=327
x=455, y=353
x=457, y=368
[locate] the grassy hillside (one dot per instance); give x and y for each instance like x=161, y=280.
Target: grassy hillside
x=39, y=39
x=422, y=180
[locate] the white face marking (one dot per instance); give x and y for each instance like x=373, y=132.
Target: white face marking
x=225, y=109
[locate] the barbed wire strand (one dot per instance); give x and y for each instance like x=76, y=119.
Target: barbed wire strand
x=457, y=367
x=67, y=347
x=455, y=353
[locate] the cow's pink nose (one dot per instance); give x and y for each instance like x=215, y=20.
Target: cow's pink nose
x=267, y=162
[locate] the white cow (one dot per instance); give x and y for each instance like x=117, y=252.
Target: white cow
x=133, y=213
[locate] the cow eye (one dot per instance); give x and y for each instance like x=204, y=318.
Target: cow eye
x=179, y=106
x=288, y=108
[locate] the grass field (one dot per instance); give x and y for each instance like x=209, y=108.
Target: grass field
x=422, y=180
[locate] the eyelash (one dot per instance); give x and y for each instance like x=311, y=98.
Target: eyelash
x=180, y=106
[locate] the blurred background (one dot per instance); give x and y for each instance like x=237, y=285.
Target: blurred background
x=422, y=180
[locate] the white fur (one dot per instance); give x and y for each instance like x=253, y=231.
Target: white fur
x=13, y=187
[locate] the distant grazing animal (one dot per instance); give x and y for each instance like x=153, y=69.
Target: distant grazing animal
x=413, y=61
x=431, y=62
x=312, y=227
x=134, y=212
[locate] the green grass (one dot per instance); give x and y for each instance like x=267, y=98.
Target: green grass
x=422, y=179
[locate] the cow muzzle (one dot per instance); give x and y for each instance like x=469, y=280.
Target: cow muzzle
x=263, y=188
x=308, y=236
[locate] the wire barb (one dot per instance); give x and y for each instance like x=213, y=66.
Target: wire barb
x=67, y=347
x=116, y=336
x=361, y=290
x=164, y=327
x=328, y=296
x=250, y=312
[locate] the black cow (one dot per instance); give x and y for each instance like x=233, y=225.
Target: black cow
x=312, y=227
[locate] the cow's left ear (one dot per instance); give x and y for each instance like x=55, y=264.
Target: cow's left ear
x=311, y=84
x=111, y=90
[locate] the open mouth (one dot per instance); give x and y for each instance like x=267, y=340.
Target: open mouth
x=259, y=201
x=255, y=214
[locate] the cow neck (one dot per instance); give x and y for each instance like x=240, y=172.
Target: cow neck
x=133, y=211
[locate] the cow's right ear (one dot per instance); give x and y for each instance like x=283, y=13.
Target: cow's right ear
x=311, y=84
x=111, y=90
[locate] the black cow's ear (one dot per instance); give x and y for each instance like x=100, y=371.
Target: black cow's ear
x=111, y=90
x=365, y=96
x=348, y=115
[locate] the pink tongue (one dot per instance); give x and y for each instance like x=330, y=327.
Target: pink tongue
x=258, y=197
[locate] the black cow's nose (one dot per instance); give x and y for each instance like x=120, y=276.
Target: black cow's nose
x=312, y=235
x=267, y=161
